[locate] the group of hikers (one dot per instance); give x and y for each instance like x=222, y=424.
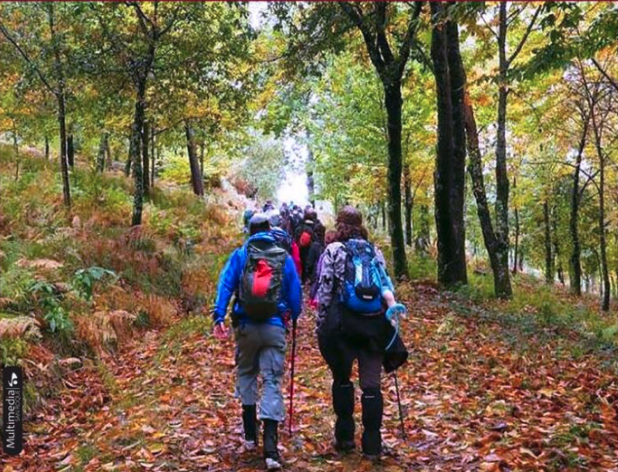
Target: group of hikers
x=357, y=318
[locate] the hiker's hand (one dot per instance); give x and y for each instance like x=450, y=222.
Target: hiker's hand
x=220, y=331
x=395, y=311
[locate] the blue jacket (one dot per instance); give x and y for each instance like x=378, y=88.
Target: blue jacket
x=229, y=281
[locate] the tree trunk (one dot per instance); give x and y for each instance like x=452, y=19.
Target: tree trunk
x=602, y=226
x=127, y=167
x=16, y=151
x=309, y=166
x=517, y=229
x=383, y=210
x=516, y=248
x=556, y=245
x=108, y=154
x=202, y=155
x=61, y=99
x=64, y=165
x=576, y=269
x=549, y=260
x=196, y=175
x=46, y=148
x=153, y=151
x=475, y=169
x=146, y=158
x=101, y=153
x=502, y=180
x=136, y=154
x=394, y=103
x=421, y=243
x=71, y=151
x=449, y=175
x=407, y=185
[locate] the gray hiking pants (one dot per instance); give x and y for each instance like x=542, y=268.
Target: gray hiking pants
x=260, y=349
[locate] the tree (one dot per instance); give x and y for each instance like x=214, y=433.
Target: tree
x=449, y=177
x=50, y=72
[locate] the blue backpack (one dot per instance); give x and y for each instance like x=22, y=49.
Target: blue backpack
x=362, y=286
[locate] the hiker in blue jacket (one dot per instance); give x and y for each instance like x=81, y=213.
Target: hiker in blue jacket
x=263, y=279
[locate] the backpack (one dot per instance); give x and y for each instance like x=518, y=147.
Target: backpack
x=282, y=239
x=262, y=280
x=361, y=291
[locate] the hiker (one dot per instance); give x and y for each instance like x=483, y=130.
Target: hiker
x=329, y=238
x=249, y=212
x=351, y=325
x=296, y=218
x=305, y=237
x=268, y=206
x=263, y=279
x=284, y=212
x=284, y=239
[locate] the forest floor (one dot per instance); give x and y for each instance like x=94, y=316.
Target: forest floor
x=141, y=384
x=476, y=397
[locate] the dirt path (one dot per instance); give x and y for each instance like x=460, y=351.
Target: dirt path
x=473, y=401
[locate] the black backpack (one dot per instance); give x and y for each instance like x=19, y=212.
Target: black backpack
x=262, y=280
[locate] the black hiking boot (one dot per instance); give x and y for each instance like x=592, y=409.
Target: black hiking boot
x=250, y=426
x=372, y=421
x=271, y=454
x=343, y=404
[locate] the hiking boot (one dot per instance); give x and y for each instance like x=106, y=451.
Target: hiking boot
x=372, y=421
x=271, y=453
x=343, y=404
x=249, y=422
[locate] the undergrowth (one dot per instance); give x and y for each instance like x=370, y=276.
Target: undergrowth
x=81, y=282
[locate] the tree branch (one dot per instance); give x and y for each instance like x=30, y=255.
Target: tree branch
x=382, y=42
x=409, y=38
x=26, y=58
x=355, y=14
x=525, y=37
x=605, y=74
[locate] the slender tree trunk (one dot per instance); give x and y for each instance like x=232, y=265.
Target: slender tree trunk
x=146, y=158
x=516, y=248
x=196, y=176
x=309, y=166
x=502, y=180
x=202, y=155
x=449, y=178
x=16, y=152
x=383, y=210
x=602, y=226
x=576, y=269
x=549, y=259
x=61, y=99
x=136, y=154
x=46, y=148
x=101, y=153
x=394, y=102
x=127, y=167
x=407, y=185
x=556, y=245
x=422, y=241
x=475, y=169
x=64, y=165
x=71, y=151
x=108, y=154
x=153, y=151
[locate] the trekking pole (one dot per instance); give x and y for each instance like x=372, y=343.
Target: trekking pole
x=403, y=430
x=292, y=362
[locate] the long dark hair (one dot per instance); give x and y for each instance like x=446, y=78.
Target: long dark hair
x=349, y=225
